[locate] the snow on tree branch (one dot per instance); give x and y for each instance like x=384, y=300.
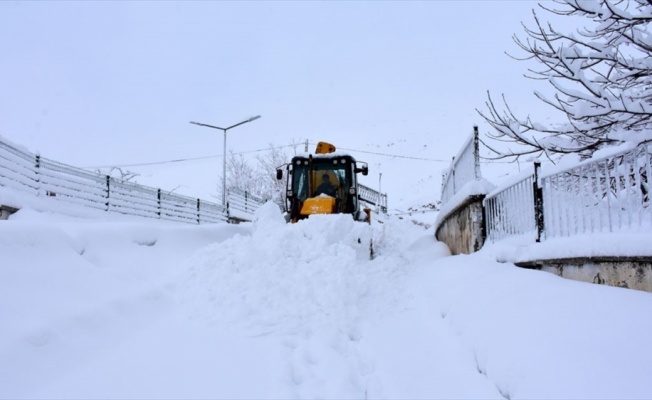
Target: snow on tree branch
x=601, y=73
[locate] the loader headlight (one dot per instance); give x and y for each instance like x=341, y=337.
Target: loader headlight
x=352, y=190
x=289, y=193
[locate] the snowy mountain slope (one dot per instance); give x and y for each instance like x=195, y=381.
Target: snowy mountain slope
x=142, y=309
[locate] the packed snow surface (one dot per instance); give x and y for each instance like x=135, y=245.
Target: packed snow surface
x=142, y=309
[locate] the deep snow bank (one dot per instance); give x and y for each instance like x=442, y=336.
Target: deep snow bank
x=71, y=289
x=96, y=309
x=313, y=287
x=317, y=272
x=536, y=335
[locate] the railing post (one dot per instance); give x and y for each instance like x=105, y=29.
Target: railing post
x=538, y=202
x=246, y=202
x=198, y=216
x=37, y=169
x=108, y=191
x=476, y=153
x=453, y=175
x=647, y=151
x=158, y=199
x=607, y=180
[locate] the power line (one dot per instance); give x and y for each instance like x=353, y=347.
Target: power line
x=281, y=147
x=268, y=149
x=395, y=155
x=184, y=159
x=417, y=158
x=150, y=163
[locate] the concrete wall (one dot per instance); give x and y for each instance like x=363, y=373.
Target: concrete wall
x=626, y=272
x=6, y=211
x=463, y=229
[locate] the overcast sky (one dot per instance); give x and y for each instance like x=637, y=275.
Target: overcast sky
x=116, y=83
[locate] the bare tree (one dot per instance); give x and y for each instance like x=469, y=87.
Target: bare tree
x=601, y=75
x=239, y=174
x=258, y=179
x=270, y=187
x=119, y=173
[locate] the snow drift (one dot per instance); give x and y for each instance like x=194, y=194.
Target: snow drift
x=146, y=309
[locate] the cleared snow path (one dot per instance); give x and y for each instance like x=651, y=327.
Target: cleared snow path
x=345, y=324
x=269, y=310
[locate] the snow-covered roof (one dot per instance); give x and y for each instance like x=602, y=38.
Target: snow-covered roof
x=325, y=156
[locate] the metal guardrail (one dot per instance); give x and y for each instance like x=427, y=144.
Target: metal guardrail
x=242, y=204
x=373, y=197
x=608, y=194
x=38, y=176
x=603, y=195
x=464, y=168
x=510, y=211
x=17, y=169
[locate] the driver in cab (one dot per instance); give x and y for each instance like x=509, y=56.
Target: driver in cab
x=326, y=187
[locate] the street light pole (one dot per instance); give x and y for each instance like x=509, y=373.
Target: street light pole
x=224, y=158
x=380, y=194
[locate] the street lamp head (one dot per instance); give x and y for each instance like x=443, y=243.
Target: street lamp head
x=227, y=128
x=224, y=157
x=243, y=122
x=206, y=125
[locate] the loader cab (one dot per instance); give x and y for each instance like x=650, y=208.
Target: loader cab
x=306, y=173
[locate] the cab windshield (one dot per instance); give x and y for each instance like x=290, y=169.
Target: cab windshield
x=327, y=177
x=324, y=178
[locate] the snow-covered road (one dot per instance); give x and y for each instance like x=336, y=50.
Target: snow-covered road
x=142, y=309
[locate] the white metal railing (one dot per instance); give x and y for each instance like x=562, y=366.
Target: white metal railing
x=34, y=175
x=17, y=169
x=609, y=194
x=373, y=197
x=73, y=185
x=603, y=195
x=510, y=212
x=464, y=168
x=242, y=204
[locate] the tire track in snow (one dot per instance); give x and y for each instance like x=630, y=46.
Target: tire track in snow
x=310, y=283
x=348, y=326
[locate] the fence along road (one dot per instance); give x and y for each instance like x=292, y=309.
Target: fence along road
x=603, y=195
x=464, y=168
x=608, y=194
x=600, y=195
x=34, y=175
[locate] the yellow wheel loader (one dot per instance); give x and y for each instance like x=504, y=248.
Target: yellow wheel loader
x=324, y=183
